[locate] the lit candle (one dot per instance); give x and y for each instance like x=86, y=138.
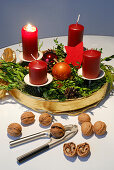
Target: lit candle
x=91, y=64
x=37, y=72
x=29, y=42
x=75, y=34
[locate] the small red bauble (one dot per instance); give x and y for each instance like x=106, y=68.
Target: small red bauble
x=61, y=71
x=49, y=56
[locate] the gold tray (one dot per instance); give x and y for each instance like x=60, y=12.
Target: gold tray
x=2, y=92
x=70, y=107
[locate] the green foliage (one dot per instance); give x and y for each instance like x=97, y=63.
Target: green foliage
x=108, y=58
x=74, y=87
x=109, y=71
x=13, y=74
x=59, y=50
x=60, y=90
x=57, y=89
x=40, y=45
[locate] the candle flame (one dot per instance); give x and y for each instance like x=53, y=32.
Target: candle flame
x=29, y=28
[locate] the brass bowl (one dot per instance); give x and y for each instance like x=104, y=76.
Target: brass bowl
x=2, y=92
x=70, y=107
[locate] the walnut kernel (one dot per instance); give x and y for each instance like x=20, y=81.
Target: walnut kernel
x=69, y=149
x=83, y=149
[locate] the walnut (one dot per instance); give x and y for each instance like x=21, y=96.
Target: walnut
x=69, y=149
x=99, y=128
x=57, y=130
x=83, y=117
x=45, y=119
x=9, y=55
x=27, y=118
x=14, y=129
x=83, y=149
x=87, y=128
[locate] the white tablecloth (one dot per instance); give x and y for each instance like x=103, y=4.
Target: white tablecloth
x=102, y=148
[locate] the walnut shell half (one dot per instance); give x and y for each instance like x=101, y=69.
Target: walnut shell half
x=57, y=130
x=69, y=149
x=9, y=55
x=83, y=149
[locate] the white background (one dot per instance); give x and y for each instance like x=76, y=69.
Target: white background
x=102, y=148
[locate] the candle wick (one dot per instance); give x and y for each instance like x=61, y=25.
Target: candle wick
x=33, y=57
x=78, y=19
x=55, y=60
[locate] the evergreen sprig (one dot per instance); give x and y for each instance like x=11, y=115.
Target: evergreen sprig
x=59, y=50
x=13, y=74
x=109, y=71
x=74, y=87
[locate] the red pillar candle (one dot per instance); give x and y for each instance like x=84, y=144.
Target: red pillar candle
x=91, y=64
x=29, y=42
x=37, y=72
x=75, y=34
